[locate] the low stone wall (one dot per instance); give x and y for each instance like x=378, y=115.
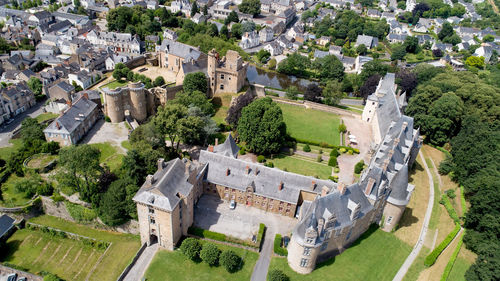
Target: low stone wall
x=136, y=62
x=4, y=270
x=129, y=267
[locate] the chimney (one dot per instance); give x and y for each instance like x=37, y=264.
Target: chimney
x=228, y=172
x=341, y=187
x=324, y=190
x=58, y=125
x=149, y=180
x=68, y=102
x=280, y=187
x=386, y=163
x=211, y=148
x=313, y=185
x=86, y=96
x=216, y=141
x=247, y=170
x=161, y=161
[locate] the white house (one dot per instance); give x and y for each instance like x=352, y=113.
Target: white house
x=249, y=40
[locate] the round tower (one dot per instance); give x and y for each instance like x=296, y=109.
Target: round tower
x=301, y=255
x=114, y=104
x=213, y=57
x=138, y=101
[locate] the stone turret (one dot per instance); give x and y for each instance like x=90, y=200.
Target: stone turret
x=114, y=104
x=138, y=101
x=213, y=58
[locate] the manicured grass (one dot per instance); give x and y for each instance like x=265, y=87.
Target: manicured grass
x=377, y=255
x=459, y=268
x=310, y=124
x=115, y=84
x=418, y=266
x=119, y=255
x=301, y=165
x=221, y=104
x=12, y=198
x=126, y=144
x=40, y=160
x=6, y=151
x=174, y=265
x=45, y=116
x=109, y=155
x=38, y=251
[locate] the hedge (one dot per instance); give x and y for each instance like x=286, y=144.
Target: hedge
x=462, y=200
x=277, y=246
x=451, y=262
x=432, y=257
x=326, y=145
x=202, y=233
x=451, y=211
x=260, y=235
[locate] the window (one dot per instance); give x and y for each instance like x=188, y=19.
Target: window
x=307, y=251
x=389, y=220
x=152, y=220
x=151, y=210
x=309, y=240
x=303, y=262
x=222, y=76
x=221, y=87
x=324, y=246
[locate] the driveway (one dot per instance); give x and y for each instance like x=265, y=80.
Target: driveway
x=6, y=132
x=214, y=214
x=114, y=133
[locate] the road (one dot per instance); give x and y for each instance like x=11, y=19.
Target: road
x=416, y=250
x=139, y=269
x=6, y=132
x=262, y=266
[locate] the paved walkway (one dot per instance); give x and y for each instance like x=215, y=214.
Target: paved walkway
x=142, y=264
x=262, y=266
x=416, y=250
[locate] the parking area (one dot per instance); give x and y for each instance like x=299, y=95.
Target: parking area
x=114, y=133
x=214, y=214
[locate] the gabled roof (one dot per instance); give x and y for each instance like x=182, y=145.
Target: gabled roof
x=72, y=117
x=229, y=148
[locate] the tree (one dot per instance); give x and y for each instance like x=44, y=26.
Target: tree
x=332, y=93
x=210, y=254
x=247, y=26
x=31, y=131
x=205, y=10
x=121, y=71
x=272, y=64
x=232, y=17
x=474, y=61
x=168, y=120
x=398, y=53
x=369, y=86
x=329, y=67
x=292, y=93
x=371, y=68
x=35, y=85
x=263, y=55
x=342, y=128
x=195, y=98
x=194, y=9
x=277, y=275
x=361, y=49
x=437, y=53
x=407, y=81
x=159, y=81
x=236, y=31
x=444, y=118
x=446, y=30
x=261, y=126
x=488, y=38
x=224, y=32
x=313, y=92
x=80, y=170
x=295, y=64
x=411, y=44
x=195, y=81
x=230, y=260
x=115, y=205
x=251, y=7
x=191, y=248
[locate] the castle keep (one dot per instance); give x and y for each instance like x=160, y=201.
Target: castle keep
x=330, y=216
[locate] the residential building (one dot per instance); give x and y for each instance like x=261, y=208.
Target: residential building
x=249, y=40
x=266, y=34
x=369, y=41
x=16, y=99
x=61, y=90
x=83, y=78
x=118, y=42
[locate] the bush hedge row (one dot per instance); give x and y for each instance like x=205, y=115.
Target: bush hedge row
x=449, y=265
x=202, y=233
x=451, y=211
x=261, y=233
x=277, y=246
x=326, y=145
x=100, y=245
x=432, y=257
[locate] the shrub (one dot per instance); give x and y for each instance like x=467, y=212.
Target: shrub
x=334, y=153
x=270, y=164
x=210, y=254
x=206, y=234
x=324, y=144
x=107, y=119
x=57, y=197
x=45, y=189
x=320, y=151
x=278, y=275
x=319, y=158
x=277, y=246
x=261, y=159
x=359, y=167
x=342, y=128
x=336, y=170
x=451, y=211
x=191, y=248
x=80, y=213
x=342, y=150
x=333, y=178
x=332, y=161
x=230, y=260
x=454, y=256
x=307, y=148
x=350, y=152
x=242, y=151
x=450, y=193
x=261, y=233
x=432, y=257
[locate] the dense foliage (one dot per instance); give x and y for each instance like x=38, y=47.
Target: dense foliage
x=251, y=7
x=328, y=67
x=191, y=247
x=210, y=254
x=261, y=126
x=195, y=81
x=277, y=275
x=230, y=260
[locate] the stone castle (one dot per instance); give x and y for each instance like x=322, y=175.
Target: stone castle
x=330, y=216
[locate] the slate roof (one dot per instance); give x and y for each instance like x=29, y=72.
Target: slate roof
x=179, y=49
x=63, y=85
x=228, y=148
x=6, y=224
x=72, y=117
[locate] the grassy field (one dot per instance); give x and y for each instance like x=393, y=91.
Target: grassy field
x=459, y=268
x=175, y=266
x=115, y=84
x=6, y=151
x=301, y=165
x=376, y=255
x=109, y=155
x=37, y=251
x=221, y=104
x=10, y=196
x=40, y=160
x=299, y=123
x=45, y=116
x=119, y=255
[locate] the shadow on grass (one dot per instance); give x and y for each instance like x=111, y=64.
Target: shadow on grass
x=9, y=249
x=407, y=219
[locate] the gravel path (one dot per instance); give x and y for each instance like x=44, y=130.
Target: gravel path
x=416, y=250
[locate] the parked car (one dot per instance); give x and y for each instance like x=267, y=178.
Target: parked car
x=12, y=277
x=232, y=205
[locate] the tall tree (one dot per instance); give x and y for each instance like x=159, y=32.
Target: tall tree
x=332, y=93
x=35, y=85
x=195, y=81
x=329, y=67
x=251, y=7
x=313, y=92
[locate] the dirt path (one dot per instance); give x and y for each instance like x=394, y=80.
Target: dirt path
x=25, y=240
x=65, y=255
x=97, y=263
x=40, y=239
x=53, y=255
x=86, y=262
x=42, y=252
x=76, y=257
x=495, y=8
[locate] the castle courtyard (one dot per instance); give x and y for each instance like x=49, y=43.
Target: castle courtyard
x=213, y=214
x=154, y=71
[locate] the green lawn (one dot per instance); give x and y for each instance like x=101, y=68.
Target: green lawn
x=310, y=124
x=38, y=251
x=376, y=256
x=119, y=255
x=40, y=160
x=459, y=268
x=174, y=265
x=301, y=165
x=109, y=155
x=10, y=196
x=6, y=151
x=221, y=105
x=45, y=116
x=115, y=84
x=418, y=266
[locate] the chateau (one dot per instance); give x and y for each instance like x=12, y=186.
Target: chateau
x=330, y=216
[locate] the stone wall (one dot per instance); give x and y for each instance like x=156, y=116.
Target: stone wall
x=136, y=62
x=56, y=209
